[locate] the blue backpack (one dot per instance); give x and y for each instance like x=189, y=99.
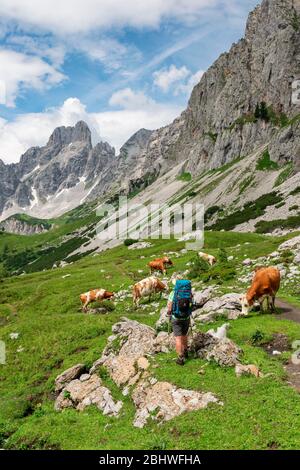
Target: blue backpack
x=182, y=302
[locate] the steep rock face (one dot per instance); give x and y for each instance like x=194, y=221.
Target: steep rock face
x=16, y=224
x=219, y=124
x=242, y=103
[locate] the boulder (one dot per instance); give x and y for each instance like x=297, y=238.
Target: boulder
x=68, y=375
x=131, y=341
x=163, y=401
x=202, y=297
x=247, y=262
x=140, y=246
x=297, y=258
x=291, y=244
x=228, y=304
x=223, y=351
x=241, y=369
x=81, y=393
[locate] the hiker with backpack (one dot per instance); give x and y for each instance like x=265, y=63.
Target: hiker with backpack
x=180, y=303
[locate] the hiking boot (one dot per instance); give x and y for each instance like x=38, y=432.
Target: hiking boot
x=180, y=361
x=186, y=354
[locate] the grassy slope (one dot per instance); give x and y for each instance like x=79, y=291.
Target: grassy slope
x=43, y=308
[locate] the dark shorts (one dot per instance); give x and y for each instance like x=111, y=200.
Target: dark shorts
x=180, y=327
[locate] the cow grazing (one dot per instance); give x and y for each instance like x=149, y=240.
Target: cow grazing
x=265, y=285
x=209, y=258
x=147, y=287
x=94, y=296
x=160, y=264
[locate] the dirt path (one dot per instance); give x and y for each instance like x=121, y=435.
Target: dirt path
x=289, y=312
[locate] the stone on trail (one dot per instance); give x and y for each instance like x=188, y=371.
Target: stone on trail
x=249, y=369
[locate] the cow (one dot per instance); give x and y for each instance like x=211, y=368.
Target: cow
x=147, y=287
x=94, y=296
x=209, y=258
x=265, y=285
x=160, y=264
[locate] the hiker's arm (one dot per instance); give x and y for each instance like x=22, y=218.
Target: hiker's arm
x=169, y=307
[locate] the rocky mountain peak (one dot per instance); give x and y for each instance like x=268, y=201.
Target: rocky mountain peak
x=63, y=136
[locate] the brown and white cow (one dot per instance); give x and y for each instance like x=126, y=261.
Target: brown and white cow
x=147, y=287
x=160, y=264
x=265, y=285
x=209, y=258
x=94, y=296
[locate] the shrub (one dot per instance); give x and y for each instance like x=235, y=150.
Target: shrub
x=257, y=337
x=211, y=212
x=184, y=177
x=265, y=162
x=295, y=192
x=199, y=267
x=130, y=241
x=284, y=175
x=268, y=226
x=251, y=210
x=294, y=208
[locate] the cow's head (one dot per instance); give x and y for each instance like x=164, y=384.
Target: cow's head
x=167, y=260
x=246, y=304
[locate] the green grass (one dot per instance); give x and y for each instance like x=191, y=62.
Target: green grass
x=47, y=248
x=185, y=177
x=251, y=210
x=43, y=308
x=268, y=226
x=265, y=163
x=284, y=174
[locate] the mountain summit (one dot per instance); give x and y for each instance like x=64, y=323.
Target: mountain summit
x=242, y=105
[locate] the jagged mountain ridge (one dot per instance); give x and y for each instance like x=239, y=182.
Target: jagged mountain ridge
x=64, y=173
x=220, y=124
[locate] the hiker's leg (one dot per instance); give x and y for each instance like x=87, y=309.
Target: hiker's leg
x=179, y=345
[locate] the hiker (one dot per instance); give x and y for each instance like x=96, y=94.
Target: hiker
x=179, y=311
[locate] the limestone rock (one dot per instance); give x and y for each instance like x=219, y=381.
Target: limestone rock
x=228, y=304
x=241, y=369
x=223, y=351
x=162, y=401
x=80, y=394
x=68, y=375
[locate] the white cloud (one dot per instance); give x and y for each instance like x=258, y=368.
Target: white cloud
x=129, y=99
x=115, y=126
x=188, y=86
x=72, y=16
x=165, y=78
x=178, y=80
x=20, y=71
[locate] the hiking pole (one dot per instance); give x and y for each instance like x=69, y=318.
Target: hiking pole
x=169, y=325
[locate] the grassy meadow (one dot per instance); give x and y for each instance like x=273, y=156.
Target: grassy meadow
x=44, y=308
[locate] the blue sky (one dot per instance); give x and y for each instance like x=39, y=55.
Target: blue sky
x=118, y=65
